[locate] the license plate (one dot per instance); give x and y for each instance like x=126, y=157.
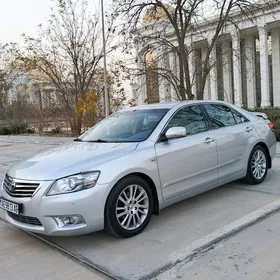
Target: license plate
x=9, y=206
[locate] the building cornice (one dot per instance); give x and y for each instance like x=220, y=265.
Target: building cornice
x=254, y=18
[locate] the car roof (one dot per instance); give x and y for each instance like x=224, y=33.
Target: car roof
x=169, y=105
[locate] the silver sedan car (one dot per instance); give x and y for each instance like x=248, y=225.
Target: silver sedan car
x=133, y=164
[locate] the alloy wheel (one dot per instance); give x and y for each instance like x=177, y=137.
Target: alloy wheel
x=132, y=207
x=258, y=164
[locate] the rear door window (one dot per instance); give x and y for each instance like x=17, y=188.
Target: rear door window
x=219, y=115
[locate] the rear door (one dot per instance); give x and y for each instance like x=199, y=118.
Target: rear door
x=234, y=135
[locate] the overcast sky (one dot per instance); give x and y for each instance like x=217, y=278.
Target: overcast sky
x=23, y=16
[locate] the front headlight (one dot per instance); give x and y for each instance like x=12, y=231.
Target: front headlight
x=74, y=183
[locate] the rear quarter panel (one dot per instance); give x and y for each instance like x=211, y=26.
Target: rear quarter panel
x=265, y=135
x=262, y=131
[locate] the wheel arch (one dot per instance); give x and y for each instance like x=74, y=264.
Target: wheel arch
x=150, y=183
x=262, y=144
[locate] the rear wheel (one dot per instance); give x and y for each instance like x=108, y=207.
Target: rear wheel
x=129, y=207
x=257, y=166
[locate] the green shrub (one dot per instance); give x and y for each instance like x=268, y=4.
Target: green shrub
x=15, y=129
x=30, y=131
x=18, y=128
x=4, y=130
x=273, y=115
x=56, y=130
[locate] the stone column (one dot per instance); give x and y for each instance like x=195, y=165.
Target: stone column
x=140, y=91
x=163, y=88
x=275, y=40
x=213, y=74
x=227, y=71
x=192, y=69
x=265, y=102
x=250, y=71
x=237, y=86
x=207, y=89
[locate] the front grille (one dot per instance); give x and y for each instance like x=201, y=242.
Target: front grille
x=25, y=219
x=19, y=189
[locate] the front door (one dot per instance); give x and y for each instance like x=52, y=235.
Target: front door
x=190, y=162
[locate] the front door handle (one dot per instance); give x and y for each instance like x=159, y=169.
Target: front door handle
x=248, y=129
x=209, y=140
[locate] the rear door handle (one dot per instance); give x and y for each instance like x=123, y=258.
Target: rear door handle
x=209, y=140
x=248, y=129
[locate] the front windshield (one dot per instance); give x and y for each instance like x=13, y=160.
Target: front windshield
x=126, y=126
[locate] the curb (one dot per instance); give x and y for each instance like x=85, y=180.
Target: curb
x=76, y=257
x=181, y=257
x=38, y=141
x=33, y=142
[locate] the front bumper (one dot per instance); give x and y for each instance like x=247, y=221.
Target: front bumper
x=89, y=204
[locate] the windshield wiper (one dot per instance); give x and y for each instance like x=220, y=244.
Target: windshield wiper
x=78, y=140
x=99, y=141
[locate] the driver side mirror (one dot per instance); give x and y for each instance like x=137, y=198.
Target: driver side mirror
x=176, y=132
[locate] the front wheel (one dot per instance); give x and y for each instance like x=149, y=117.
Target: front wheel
x=257, y=166
x=129, y=207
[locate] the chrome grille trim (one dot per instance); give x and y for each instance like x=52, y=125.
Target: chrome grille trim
x=21, y=189
x=25, y=219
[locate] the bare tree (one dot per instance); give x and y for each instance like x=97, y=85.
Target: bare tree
x=68, y=53
x=8, y=55
x=18, y=108
x=167, y=25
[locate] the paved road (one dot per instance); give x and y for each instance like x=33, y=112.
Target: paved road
x=23, y=257
x=176, y=228
x=254, y=253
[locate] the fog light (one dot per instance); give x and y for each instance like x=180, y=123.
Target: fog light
x=64, y=221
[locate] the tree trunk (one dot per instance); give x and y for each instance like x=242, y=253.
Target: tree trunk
x=187, y=76
x=2, y=109
x=181, y=78
x=76, y=126
x=201, y=88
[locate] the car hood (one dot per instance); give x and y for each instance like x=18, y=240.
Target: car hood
x=68, y=159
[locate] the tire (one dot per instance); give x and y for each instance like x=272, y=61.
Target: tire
x=257, y=166
x=129, y=207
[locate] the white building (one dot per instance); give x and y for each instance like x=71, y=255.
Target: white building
x=38, y=92
x=248, y=72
